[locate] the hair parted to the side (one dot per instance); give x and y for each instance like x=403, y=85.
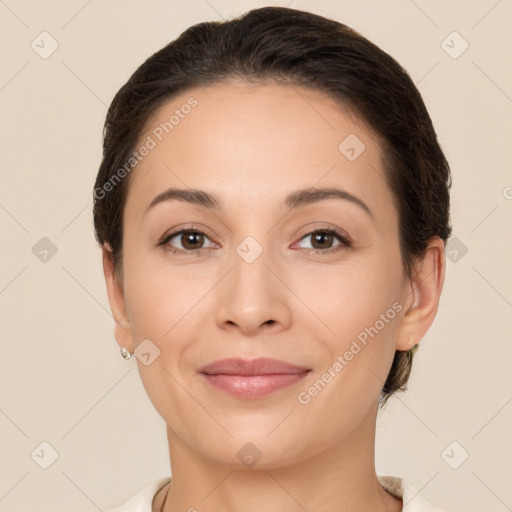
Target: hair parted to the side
x=289, y=46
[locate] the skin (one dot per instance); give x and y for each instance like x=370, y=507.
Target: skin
x=251, y=145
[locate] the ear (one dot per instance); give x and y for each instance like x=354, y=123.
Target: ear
x=422, y=301
x=122, y=330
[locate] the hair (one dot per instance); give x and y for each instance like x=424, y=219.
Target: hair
x=291, y=47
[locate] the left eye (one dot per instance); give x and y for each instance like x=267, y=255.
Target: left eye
x=325, y=237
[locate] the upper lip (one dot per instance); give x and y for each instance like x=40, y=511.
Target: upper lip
x=259, y=366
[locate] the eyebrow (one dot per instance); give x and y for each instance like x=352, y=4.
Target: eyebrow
x=294, y=200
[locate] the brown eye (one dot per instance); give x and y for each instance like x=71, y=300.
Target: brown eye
x=190, y=240
x=322, y=241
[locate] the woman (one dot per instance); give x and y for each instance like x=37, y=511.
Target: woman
x=272, y=207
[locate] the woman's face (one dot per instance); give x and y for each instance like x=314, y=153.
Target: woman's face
x=257, y=283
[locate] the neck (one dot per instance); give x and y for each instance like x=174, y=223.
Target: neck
x=341, y=478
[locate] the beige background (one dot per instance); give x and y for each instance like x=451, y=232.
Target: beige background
x=62, y=380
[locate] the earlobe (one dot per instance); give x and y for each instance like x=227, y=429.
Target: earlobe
x=122, y=329
x=423, y=297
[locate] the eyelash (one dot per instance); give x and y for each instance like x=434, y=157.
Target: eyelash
x=346, y=242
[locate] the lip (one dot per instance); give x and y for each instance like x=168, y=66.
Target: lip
x=252, y=378
x=259, y=366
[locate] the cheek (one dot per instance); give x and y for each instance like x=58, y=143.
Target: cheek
x=167, y=304
x=352, y=296
x=153, y=296
x=357, y=360
x=362, y=306
x=160, y=310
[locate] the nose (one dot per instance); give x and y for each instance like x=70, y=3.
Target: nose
x=252, y=299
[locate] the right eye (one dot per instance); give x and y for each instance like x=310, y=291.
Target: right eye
x=189, y=239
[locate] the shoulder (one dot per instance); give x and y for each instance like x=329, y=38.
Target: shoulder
x=412, y=501
x=142, y=501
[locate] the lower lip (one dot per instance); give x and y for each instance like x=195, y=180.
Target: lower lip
x=253, y=386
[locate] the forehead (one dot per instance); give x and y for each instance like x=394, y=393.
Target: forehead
x=248, y=142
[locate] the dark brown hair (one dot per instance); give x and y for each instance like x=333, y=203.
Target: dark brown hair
x=298, y=48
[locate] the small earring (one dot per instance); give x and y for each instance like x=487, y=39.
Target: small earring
x=126, y=354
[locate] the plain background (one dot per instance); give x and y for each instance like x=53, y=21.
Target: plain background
x=62, y=379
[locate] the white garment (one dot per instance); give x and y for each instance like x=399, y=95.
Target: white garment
x=413, y=502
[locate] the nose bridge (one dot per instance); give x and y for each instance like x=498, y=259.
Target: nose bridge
x=252, y=295
x=251, y=275
x=251, y=252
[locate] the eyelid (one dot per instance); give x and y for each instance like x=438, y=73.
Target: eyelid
x=343, y=237
x=345, y=241
x=324, y=227
x=178, y=231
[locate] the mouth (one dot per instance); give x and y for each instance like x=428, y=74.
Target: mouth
x=254, y=378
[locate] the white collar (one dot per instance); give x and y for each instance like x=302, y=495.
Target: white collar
x=412, y=501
